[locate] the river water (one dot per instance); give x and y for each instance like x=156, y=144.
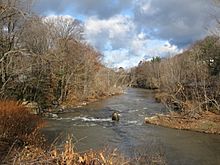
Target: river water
x=93, y=128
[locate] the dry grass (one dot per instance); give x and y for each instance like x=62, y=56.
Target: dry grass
x=16, y=121
x=18, y=127
x=68, y=156
x=65, y=156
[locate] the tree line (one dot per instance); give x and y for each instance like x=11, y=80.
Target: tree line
x=46, y=59
x=187, y=82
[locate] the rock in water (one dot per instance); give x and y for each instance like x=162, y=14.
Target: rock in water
x=115, y=116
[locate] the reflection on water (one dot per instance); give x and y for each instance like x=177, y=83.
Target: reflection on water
x=92, y=127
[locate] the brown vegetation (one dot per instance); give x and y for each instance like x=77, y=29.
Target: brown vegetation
x=188, y=82
x=46, y=59
x=207, y=122
x=18, y=127
x=68, y=156
x=22, y=143
x=45, y=62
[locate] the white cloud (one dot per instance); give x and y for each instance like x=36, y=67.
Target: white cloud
x=130, y=30
x=113, y=31
x=121, y=42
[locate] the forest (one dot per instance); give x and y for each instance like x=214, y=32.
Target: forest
x=188, y=81
x=46, y=59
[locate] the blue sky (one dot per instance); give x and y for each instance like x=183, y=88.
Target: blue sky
x=128, y=31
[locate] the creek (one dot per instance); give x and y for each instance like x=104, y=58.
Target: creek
x=92, y=128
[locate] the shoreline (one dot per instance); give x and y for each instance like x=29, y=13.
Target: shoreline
x=208, y=122
x=68, y=107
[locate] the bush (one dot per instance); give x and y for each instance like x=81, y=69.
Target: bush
x=17, y=123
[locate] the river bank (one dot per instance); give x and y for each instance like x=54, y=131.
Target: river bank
x=67, y=106
x=185, y=116
x=208, y=122
x=80, y=103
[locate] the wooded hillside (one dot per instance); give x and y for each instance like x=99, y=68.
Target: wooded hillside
x=188, y=82
x=46, y=59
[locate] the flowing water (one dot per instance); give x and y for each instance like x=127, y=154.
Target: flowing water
x=93, y=128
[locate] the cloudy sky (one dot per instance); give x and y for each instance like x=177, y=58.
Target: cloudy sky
x=127, y=31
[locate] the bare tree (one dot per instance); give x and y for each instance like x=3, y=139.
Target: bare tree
x=189, y=79
x=12, y=17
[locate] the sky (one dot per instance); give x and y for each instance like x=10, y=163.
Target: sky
x=129, y=31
